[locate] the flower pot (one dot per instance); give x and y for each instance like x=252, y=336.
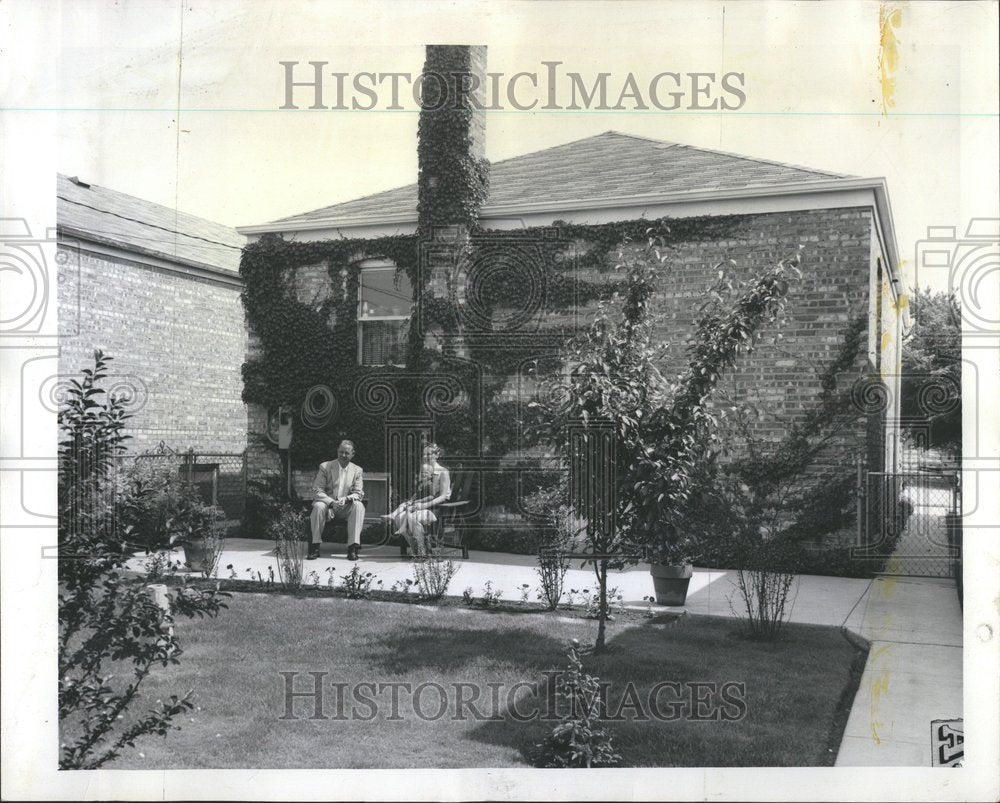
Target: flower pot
x=196, y=555
x=670, y=583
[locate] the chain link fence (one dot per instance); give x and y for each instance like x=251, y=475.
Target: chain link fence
x=910, y=516
x=220, y=477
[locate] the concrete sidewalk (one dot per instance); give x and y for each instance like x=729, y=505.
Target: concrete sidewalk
x=913, y=674
x=914, y=669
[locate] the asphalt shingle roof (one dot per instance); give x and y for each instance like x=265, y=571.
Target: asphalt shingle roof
x=114, y=218
x=609, y=165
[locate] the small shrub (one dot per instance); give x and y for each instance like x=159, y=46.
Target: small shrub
x=214, y=543
x=358, y=585
x=592, y=600
x=153, y=489
x=266, y=497
x=553, y=560
x=579, y=740
x=402, y=587
x=551, y=570
x=491, y=596
x=432, y=575
x=288, y=533
x=157, y=565
x=764, y=591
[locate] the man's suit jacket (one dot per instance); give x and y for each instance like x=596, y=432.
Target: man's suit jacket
x=327, y=480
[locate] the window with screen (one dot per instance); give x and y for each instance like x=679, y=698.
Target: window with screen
x=384, y=302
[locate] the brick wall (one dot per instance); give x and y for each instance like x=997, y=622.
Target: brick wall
x=838, y=257
x=180, y=340
x=836, y=264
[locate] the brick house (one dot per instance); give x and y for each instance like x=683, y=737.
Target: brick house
x=725, y=206
x=344, y=272
x=159, y=291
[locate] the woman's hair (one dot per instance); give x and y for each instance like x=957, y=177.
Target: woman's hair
x=435, y=450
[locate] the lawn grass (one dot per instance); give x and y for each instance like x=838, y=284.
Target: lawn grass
x=797, y=691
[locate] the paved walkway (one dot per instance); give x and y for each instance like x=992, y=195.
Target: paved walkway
x=913, y=674
x=914, y=669
x=914, y=626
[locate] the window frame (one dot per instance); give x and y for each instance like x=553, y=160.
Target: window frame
x=373, y=266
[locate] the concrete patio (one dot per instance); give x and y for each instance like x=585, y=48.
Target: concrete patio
x=817, y=600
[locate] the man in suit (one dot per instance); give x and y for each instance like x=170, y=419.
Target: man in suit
x=338, y=491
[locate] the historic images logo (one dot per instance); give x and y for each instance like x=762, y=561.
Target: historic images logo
x=523, y=701
x=311, y=85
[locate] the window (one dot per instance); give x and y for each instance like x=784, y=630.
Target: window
x=384, y=305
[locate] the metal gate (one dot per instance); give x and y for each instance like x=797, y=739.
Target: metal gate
x=913, y=516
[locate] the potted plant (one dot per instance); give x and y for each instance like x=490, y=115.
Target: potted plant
x=670, y=565
x=197, y=529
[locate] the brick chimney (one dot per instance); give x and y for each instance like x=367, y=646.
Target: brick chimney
x=451, y=137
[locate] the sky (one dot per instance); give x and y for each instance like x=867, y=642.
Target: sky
x=177, y=102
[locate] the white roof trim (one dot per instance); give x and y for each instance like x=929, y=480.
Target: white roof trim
x=877, y=196
x=517, y=209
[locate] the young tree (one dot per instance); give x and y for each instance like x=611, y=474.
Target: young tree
x=615, y=391
x=109, y=626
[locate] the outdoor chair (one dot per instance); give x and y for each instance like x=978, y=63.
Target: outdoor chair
x=447, y=532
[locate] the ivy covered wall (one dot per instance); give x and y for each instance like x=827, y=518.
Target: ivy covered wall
x=488, y=318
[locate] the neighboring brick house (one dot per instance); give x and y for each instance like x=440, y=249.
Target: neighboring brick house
x=159, y=291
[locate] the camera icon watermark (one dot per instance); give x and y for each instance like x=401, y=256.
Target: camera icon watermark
x=31, y=269
x=926, y=408
x=970, y=268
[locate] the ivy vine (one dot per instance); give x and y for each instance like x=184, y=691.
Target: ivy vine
x=453, y=182
x=302, y=343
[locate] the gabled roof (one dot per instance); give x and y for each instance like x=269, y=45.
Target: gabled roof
x=609, y=165
x=105, y=216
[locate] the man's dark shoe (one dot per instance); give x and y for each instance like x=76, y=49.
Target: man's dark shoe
x=352, y=552
x=313, y=552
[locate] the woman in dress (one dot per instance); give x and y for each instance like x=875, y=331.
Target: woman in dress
x=415, y=515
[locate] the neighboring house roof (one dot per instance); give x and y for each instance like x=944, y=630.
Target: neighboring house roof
x=105, y=216
x=605, y=166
